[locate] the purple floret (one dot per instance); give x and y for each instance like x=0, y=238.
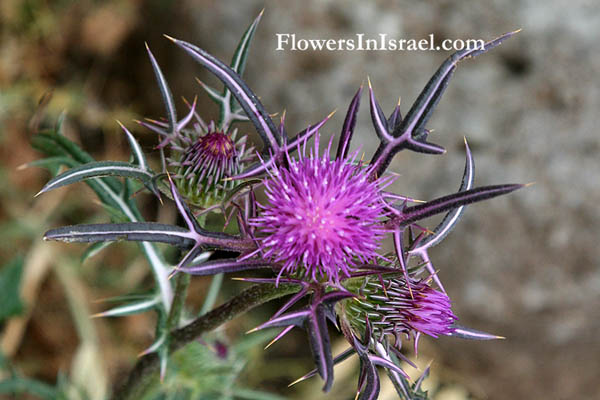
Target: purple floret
x=430, y=311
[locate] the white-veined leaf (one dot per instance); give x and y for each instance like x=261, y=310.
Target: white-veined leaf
x=99, y=169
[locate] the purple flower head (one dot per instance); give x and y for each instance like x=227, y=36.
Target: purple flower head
x=395, y=309
x=322, y=216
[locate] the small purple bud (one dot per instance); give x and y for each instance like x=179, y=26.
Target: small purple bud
x=398, y=309
x=203, y=158
x=212, y=157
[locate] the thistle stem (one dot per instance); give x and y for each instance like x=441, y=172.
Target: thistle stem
x=145, y=369
x=181, y=286
x=213, y=292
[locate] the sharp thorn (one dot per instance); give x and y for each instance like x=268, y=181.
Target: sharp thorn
x=303, y=378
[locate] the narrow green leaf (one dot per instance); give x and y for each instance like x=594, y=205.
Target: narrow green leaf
x=211, y=92
x=213, y=292
x=116, y=215
x=164, y=91
x=131, y=308
x=107, y=189
x=126, y=297
x=10, y=283
x=94, y=249
x=45, y=143
x=98, y=169
x=3, y=361
x=17, y=386
x=132, y=231
x=52, y=164
x=238, y=62
x=60, y=145
x=136, y=149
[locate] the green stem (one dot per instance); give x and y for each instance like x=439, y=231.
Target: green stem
x=144, y=370
x=183, y=281
x=213, y=292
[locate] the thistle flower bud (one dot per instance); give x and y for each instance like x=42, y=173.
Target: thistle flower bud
x=396, y=309
x=203, y=159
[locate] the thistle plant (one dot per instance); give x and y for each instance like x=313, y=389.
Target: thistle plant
x=317, y=232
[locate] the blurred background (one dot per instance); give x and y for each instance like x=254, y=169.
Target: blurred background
x=524, y=266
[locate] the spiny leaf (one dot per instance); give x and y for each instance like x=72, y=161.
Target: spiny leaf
x=131, y=308
x=238, y=62
x=411, y=133
x=296, y=318
x=132, y=231
x=445, y=203
x=224, y=266
x=428, y=98
x=60, y=145
x=336, y=360
x=320, y=345
x=108, y=190
x=451, y=218
x=245, y=97
x=98, y=169
x=165, y=92
x=290, y=146
x=395, y=118
x=348, y=127
x=138, y=155
x=379, y=121
x=472, y=334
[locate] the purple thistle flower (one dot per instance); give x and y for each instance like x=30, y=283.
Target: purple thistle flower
x=323, y=219
x=321, y=215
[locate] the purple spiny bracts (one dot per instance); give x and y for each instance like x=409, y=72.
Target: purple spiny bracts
x=203, y=156
x=212, y=157
x=321, y=217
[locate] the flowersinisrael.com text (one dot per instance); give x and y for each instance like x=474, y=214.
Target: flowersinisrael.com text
x=382, y=42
